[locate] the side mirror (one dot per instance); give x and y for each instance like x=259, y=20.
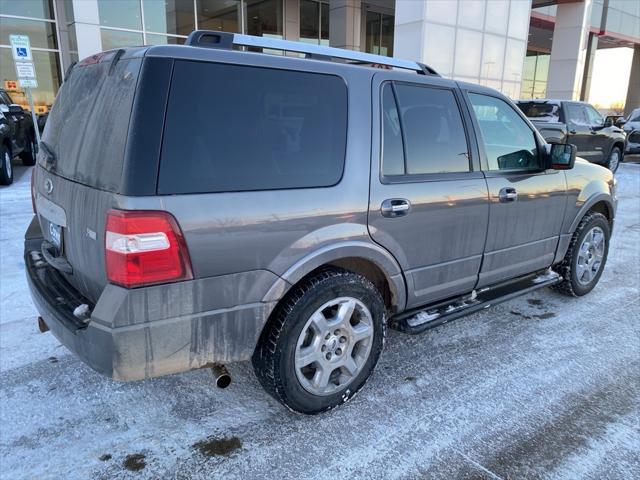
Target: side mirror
x=561, y=156
x=620, y=122
x=14, y=108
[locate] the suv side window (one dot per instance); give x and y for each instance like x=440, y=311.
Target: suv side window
x=508, y=141
x=595, y=119
x=423, y=131
x=233, y=128
x=577, y=115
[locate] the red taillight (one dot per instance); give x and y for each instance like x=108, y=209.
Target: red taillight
x=33, y=190
x=144, y=248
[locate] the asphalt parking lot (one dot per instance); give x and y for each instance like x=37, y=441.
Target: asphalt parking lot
x=543, y=386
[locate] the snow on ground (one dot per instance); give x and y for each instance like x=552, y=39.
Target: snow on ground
x=540, y=387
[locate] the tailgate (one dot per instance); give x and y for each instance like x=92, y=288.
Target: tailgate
x=72, y=218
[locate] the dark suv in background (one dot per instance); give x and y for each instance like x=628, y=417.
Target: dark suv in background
x=597, y=138
x=199, y=205
x=17, y=137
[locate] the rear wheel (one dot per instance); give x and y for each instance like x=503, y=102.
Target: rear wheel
x=28, y=155
x=6, y=170
x=614, y=159
x=586, y=257
x=323, y=342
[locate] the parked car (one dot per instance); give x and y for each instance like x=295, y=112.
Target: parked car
x=632, y=122
x=284, y=210
x=633, y=142
x=578, y=123
x=17, y=137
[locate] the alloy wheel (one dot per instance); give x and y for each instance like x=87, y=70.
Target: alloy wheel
x=334, y=346
x=590, y=256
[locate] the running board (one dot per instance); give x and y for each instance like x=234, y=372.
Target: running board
x=418, y=320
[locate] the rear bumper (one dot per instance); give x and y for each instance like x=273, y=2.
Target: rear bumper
x=148, y=332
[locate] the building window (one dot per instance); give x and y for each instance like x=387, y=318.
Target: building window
x=174, y=17
x=379, y=33
x=314, y=22
x=534, y=75
x=35, y=18
x=120, y=14
x=225, y=15
x=27, y=8
x=119, y=38
x=264, y=18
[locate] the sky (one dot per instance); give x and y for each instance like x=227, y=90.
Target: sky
x=610, y=76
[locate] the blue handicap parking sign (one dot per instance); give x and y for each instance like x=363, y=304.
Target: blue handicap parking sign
x=21, y=51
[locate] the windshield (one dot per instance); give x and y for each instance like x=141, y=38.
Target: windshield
x=546, y=112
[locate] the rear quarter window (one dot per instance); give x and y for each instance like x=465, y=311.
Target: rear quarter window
x=237, y=128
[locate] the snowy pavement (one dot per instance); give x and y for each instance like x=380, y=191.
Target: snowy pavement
x=543, y=386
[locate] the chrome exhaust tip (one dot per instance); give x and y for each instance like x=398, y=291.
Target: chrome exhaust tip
x=221, y=376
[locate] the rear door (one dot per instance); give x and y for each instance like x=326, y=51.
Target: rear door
x=527, y=202
x=80, y=166
x=579, y=130
x=600, y=142
x=428, y=202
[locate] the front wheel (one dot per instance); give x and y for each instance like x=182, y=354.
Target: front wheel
x=323, y=342
x=614, y=159
x=586, y=257
x=6, y=170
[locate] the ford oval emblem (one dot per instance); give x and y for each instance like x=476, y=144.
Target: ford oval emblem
x=48, y=185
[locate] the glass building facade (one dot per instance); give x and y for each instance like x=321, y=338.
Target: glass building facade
x=37, y=19
x=155, y=22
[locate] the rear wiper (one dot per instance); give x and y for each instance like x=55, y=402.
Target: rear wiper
x=50, y=157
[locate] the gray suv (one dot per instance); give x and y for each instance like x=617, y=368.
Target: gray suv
x=206, y=204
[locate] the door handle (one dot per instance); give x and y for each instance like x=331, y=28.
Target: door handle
x=508, y=194
x=572, y=132
x=395, y=207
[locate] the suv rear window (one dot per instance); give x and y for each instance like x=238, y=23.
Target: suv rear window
x=543, y=112
x=234, y=128
x=87, y=127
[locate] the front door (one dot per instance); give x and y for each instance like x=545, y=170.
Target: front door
x=527, y=202
x=428, y=203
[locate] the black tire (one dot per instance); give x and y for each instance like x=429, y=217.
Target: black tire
x=6, y=170
x=615, y=159
x=274, y=357
x=570, y=285
x=28, y=155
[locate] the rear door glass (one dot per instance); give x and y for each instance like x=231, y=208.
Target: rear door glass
x=433, y=132
x=235, y=128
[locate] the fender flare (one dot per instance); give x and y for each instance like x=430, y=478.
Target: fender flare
x=338, y=251
x=590, y=202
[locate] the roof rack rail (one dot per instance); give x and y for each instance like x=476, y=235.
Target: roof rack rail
x=227, y=40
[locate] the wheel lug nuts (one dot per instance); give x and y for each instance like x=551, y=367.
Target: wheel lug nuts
x=327, y=336
x=328, y=356
x=338, y=351
x=343, y=339
x=337, y=332
x=324, y=347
